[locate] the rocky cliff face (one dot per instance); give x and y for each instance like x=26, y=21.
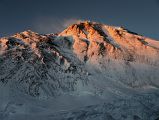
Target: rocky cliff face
x=87, y=60
x=37, y=65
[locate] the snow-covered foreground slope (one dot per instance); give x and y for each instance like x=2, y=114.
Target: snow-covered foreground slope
x=90, y=71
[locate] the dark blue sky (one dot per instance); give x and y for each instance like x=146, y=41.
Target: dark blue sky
x=48, y=16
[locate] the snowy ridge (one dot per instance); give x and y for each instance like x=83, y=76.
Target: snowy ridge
x=88, y=71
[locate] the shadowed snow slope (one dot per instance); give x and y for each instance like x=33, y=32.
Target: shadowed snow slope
x=90, y=71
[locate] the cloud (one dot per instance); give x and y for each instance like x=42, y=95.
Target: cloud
x=53, y=25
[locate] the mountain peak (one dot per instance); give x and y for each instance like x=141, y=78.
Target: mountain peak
x=87, y=26
x=29, y=36
x=94, y=39
x=26, y=34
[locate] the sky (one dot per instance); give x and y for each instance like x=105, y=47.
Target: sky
x=52, y=16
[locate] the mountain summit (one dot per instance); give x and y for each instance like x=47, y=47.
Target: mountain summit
x=94, y=39
x=88, y=71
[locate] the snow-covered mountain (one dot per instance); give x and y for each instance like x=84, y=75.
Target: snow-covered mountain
x=89, y=71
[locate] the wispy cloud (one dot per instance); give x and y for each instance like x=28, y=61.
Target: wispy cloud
x=53, y=25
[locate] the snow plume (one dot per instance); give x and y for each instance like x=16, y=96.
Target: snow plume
x=53, y=25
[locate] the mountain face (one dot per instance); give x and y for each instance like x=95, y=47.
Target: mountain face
x=89, y=71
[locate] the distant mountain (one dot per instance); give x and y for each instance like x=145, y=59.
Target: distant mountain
x=89, y=71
